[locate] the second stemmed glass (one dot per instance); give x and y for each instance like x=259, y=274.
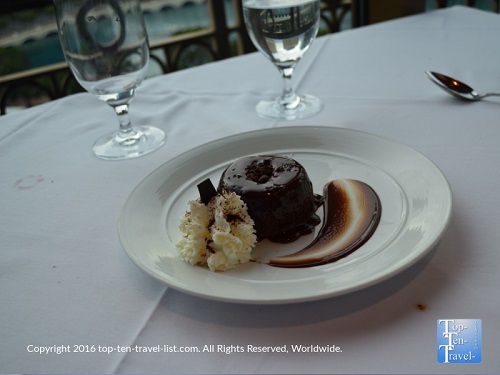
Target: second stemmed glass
x=283, y=30
x=106, y=47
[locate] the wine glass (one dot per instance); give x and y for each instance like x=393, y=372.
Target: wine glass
x=283, y=30
x=106, y=47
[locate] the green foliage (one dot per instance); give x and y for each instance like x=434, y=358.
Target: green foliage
x=12, y=60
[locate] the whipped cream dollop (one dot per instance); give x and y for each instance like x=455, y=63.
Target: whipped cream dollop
x=219, y=234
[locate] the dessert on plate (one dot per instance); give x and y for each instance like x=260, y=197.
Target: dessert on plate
x=271, y=197
x=258, y=197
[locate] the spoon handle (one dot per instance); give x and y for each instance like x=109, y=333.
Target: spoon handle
x=490, y=94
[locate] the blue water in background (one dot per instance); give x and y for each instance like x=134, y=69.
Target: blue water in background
x=164, y=23
x=160, y=25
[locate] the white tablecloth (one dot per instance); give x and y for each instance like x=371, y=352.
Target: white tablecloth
x=65, y=281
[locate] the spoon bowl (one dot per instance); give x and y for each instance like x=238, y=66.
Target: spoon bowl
x=456, y=88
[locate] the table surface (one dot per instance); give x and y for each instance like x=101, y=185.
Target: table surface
x=67, y=284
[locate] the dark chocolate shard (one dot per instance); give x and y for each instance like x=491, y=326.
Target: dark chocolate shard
x=207, y=191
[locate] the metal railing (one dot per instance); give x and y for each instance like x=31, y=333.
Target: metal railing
x=219, y=41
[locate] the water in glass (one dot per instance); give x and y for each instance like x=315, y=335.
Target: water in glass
x=106, y=47
x=283, y=30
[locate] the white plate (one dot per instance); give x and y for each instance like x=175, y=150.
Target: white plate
x=416, y=208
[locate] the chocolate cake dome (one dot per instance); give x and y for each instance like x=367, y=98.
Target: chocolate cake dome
x=278, y=193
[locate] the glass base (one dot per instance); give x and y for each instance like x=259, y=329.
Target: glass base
x=272, y=109
x=140, y=141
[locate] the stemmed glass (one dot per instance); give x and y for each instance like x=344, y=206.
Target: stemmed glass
x=106, y=47
x=283, y=30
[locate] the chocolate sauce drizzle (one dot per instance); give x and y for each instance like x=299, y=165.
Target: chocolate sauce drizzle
x=352, y=212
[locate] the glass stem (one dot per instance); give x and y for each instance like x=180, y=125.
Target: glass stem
x=289, y=100
x=122, y=113
x=127, y=135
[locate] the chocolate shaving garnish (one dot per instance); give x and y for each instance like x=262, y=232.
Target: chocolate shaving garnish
x=259, y=171
x=207, y=191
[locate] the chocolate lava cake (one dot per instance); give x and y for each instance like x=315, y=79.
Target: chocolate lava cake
x=278, y=193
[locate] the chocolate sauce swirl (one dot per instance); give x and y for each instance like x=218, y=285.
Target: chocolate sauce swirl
x=352, y=212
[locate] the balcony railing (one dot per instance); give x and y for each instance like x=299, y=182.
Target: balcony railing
x=218, y=41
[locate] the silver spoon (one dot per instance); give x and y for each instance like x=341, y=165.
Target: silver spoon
x=456, y=88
